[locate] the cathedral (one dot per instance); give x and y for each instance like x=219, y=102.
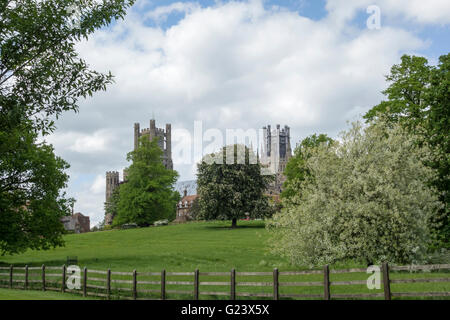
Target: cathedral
x=275, y=153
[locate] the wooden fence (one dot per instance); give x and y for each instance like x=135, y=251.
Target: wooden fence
x=154, y=285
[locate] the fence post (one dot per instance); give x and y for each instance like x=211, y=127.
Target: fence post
x=163, y=285
x=196, y=282
x=233, y=284
x=43, y=277
x=108, y=283
x=134, y=285
x=84, y=282
x=275, y=284
x=386, y=282
x=10, y=276
x=26, y=277
x=326, y=282
x=63, y=285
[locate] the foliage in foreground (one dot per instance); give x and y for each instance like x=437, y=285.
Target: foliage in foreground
x=41, y=77
x=418, y=98
x=31, y=203
x=41, y=72
x=365, y=199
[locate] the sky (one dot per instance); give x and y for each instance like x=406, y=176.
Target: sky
x=312, y=65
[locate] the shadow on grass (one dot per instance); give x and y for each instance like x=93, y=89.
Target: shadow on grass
x=36, y=264
x=239, y=227
x=174, y=262
x=109, y=261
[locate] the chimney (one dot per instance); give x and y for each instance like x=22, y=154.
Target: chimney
x=185, y=192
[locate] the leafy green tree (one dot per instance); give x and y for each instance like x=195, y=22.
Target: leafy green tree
x=366, y=199
x=41, y=73
x=31, y=201
x=418, y=99
x=406, y=94
x=437, y=134
x=296, y=170
x=41, y=76
x=233, y=189
x=148, y=194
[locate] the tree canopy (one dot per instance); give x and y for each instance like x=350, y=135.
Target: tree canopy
x=31, y=203
x=147, y=194
x=406, y=94
x=365, y=199
x=418, y=98
x=232, y=187
x=41, y=76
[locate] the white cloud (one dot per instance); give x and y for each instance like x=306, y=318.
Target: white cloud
x=98, y=187
x=89, y=143
x=82, y=142
x=223, y=63
x=234, y=65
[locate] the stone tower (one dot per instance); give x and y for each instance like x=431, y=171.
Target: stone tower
x=164, y=142
x=276, y=152
x=112, y=182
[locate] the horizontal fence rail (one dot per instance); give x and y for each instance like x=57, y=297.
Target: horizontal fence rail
x=191, y=285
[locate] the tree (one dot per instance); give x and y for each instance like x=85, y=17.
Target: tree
x=437, y=134
x=231, y=189
x=148, y=194
x=406, y=95
x=31, y=204
x=41, y=76
x=366, y=199
x=296, y=170
x=418, y=99
x=40, y=70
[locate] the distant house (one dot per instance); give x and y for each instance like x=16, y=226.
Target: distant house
x=184, y=207
x=77, y=223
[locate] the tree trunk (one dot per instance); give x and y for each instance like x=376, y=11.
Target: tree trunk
x=234, y=223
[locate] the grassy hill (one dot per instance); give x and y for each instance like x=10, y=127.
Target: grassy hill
x=208, y=246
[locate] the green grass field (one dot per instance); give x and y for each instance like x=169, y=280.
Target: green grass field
x=207, y=246
x=13, y=294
